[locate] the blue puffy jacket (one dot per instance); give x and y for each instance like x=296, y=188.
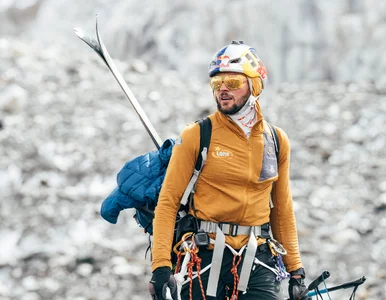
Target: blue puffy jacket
x=139, y=184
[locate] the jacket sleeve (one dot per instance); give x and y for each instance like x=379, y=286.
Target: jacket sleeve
x=177, y=176
x=138, y=182
x=282, y=214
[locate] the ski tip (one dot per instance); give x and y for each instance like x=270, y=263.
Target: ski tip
x=96, y=23
x=78, y=31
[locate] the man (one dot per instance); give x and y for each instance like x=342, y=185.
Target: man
x=234, y=189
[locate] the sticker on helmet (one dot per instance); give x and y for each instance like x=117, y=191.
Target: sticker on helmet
x=262, y=71
x=251, y=60
x=178, y=141
x=223, y=61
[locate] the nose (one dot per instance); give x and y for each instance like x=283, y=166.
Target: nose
x=223, y=87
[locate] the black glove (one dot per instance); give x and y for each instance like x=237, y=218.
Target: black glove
x=296, y=287
x=161, y=280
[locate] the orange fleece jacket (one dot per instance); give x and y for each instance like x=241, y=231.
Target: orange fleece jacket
x=228, y=189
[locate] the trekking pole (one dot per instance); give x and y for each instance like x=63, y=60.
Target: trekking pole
x=312, y=289
x=99, y=47
x=314, y=284
x=352, y=284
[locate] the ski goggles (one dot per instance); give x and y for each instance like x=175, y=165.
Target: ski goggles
x=232, y=82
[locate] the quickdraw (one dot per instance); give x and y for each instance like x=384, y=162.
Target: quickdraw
x=281, y=270
x=277, y=250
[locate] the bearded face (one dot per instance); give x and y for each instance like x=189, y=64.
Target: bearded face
x=230, y=101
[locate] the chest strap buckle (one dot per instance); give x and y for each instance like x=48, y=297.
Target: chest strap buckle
x=229, y=228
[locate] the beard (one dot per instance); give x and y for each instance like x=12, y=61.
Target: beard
x=235, y=108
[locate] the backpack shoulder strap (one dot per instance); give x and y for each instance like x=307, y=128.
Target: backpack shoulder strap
x=276, y=142
x=205, y=136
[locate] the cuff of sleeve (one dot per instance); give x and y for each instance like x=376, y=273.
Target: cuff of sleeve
x=293, y=267
x=300, y=272
x=161, y=263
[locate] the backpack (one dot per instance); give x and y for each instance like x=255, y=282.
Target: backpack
x=140, y=180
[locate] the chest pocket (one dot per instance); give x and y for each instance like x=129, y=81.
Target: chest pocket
x=269, y=168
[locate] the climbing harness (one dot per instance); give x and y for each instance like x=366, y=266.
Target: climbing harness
x=190, y=249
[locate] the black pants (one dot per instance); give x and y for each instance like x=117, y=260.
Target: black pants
x=262, y=283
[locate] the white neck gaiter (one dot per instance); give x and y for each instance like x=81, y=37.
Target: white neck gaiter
x=246, y=117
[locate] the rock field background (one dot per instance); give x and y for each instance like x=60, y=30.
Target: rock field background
x=66, y=129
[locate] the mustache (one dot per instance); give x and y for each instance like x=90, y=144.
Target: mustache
x=225, y=94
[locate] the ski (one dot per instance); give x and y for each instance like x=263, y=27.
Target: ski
x=99, y=47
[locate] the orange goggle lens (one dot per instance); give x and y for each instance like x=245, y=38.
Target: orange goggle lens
x=232, y=82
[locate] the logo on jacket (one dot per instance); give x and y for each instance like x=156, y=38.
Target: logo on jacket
x=220, y=153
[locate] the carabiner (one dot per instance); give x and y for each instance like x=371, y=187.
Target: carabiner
x=183, y=240
x=275, y=247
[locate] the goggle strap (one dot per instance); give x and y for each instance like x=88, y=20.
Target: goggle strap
x=250, y=84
